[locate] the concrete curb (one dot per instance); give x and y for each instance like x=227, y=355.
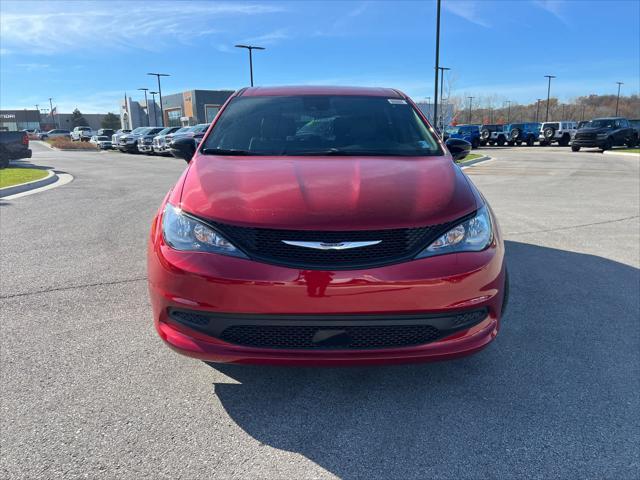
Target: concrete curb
x=52, y=177
x=468, y=163
x=628, y=154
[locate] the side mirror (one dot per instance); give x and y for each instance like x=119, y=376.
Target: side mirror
x=458, y=148
x=183, y=148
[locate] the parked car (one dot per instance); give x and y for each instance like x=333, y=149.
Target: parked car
x=145, y=141
x=116, y=136
x=365, y=245
x=129, y=142
x=13, y=146
x=520, y=133
x=56, y=132
x=635, y=123
x=169, y=137
x=102, y=142
x=82, y=134
x=160, y=147
x=582, y=124
x=606, y=133
x=108, y=132
x=33, y=134
x=191, y=131
x=470, y=133
x=486, y=130
x=560, y=132
x=499, y=136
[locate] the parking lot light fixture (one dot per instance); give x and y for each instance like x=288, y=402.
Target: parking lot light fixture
x=470, y=102
x=155, y=115
x=618, y=99
x=146, y=104
x=158, y=75
x=437, y=68
x=251, y=48
x=442, y=70
x=548, y=95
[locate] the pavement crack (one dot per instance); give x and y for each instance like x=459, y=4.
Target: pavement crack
x=73, y=287
x=575, y=226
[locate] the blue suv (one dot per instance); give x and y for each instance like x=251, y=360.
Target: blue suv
x=519, y=133
x=470, y=133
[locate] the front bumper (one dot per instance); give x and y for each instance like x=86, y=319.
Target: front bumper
x=588, y=142
x=145, y=148
x=234, y=291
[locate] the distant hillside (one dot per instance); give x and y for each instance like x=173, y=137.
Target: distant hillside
x=581, y=108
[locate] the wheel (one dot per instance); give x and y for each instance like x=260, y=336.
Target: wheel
x=483, y=143
x=548, y=133
x=515, y=134
x=485, y=134
x=607, y=145
x=530, y=141
x=492, y=143
x=575, y=148
x=633, y=141
x=475, y=143
x=518, y=143
x=501, y=141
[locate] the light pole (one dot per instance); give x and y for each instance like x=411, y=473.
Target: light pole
x=538, y=109
x=155, y=115
x=470, y=101
x=442, y=70
x=437, y=67
x=618, y=99
x=158, y=75
x=146, y=105
x=251, y=48
x=51, y=111
x=508, y=102
x=548, y=95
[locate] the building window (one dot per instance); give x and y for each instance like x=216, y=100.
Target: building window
x=210, y=112
x=173, y=117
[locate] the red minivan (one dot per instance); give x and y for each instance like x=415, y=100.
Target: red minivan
x=324, y=226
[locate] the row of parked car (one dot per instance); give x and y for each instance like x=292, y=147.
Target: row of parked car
x=603, y=133
x=154, y=140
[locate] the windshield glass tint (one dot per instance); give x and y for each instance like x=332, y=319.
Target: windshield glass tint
x=321, y=124
x=601, y=123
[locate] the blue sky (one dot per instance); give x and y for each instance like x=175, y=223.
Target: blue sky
x=87, y=54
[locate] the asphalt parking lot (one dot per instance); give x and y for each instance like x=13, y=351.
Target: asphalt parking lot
x=89, y=390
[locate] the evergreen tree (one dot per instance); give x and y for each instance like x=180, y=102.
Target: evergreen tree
x=111, y=120
x=77, y=120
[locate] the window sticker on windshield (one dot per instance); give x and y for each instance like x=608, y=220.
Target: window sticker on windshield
x=396, y=101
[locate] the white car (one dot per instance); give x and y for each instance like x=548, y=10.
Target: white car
x=561, y=132
x=102, y=142
x=82, y=134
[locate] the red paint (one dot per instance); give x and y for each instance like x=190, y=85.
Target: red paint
x=332, y=193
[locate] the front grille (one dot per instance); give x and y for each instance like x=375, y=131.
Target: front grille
x=318, y=337
x=585, y=136
x=267, y=245
x=322, y=332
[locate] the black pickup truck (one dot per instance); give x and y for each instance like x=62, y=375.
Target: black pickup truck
x=13, y=146
x=605, y=133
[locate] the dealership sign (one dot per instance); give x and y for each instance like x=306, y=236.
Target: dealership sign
x=8, y=116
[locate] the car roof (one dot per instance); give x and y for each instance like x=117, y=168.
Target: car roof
x=319, y=90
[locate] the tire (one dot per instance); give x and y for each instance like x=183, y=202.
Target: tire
x=485, y=134
x=505, y=298
x=501, y=141
x=492, y=143
x=549, y=133
x=543, y=143
x=607, y=145
x=530, y=141
x=475, y=143
x=633, y=141
x=483, y=143
x=4, y=163
x=575, y=148
x=516, y=133
x=564, y=141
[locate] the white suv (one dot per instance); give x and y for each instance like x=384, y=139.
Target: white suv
x=83, y=134
x=561, y=132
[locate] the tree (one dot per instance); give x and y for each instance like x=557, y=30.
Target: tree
x=77, y=120
x=111, y=120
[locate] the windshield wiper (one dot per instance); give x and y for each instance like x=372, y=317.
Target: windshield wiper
x=227, y=151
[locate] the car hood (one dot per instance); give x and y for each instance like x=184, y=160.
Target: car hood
x=340, y=193
x=595, y=130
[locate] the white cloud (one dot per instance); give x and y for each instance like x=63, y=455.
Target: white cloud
x=467, y=9
x=54, y=27
x=554, y=7
x=269, y=38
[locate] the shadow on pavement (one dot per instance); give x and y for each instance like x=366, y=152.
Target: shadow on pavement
x=555, y=395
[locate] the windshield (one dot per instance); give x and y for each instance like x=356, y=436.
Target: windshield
x=321, y=125
x=183, y=130
x=139, y=130
x=601, y=123
x=102, y=137
x=452, y=130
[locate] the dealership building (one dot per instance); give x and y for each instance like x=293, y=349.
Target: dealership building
x=178, y=109
x=19, y=119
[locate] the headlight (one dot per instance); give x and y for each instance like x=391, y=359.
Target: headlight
x=183, y=232
x=472, y=235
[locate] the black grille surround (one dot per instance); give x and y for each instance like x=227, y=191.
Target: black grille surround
x=327, y=332
x=396, y=246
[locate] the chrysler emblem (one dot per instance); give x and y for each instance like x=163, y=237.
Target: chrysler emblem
x=332, y=246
